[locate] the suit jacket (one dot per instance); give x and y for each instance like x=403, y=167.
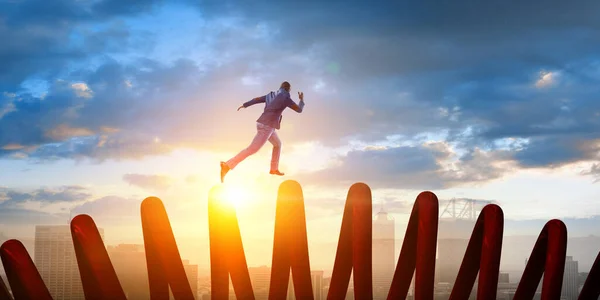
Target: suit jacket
x=277, y=103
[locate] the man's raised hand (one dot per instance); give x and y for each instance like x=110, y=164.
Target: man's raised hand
x=301, y=95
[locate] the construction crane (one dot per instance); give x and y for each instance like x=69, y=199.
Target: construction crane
x=462, y=208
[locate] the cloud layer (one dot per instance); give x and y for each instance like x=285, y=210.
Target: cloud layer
x=502, y=86
x=424, y=167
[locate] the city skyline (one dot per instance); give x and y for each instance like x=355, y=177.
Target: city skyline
x=571, y=284
x=54, y=257
x=524, y=242
x=572, y=281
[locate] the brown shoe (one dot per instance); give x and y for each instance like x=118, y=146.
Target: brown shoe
x=276, y=172
x=224, y=170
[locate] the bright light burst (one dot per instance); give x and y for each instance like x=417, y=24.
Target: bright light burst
x=236, y=195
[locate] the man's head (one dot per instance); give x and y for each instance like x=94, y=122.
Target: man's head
x=286, y=85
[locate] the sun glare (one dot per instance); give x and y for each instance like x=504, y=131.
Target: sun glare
x=236, y=195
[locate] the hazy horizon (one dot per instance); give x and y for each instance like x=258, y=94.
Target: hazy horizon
x=516, y=247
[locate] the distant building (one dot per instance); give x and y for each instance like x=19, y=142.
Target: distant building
x=450, y=256
x=503, y=278
x=316, y=278
x=129, y=261
x=384, y=256
x=582, y=278
x=260, y=277
x=203, y=283
x=350, y=293
x=457, y=219
x=317, y=284
x=453, y=238
x=54, y=257
x=506, y=290
x=191, y=272
x=570, y=285
x=326, y=282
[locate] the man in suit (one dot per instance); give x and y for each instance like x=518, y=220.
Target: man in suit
x=267, y=123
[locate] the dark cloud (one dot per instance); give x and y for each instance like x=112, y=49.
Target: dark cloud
x=429, y=166
x=49, y=41
x=73, y=194
x=14, y=208
x=118, y=8
x=101, y=119
x=63, y=194
x=422, y=15
x=100, y=148
x=47, y=37
x=478, y=60
x=424, y=36
x=400, y=167
x=151, y=182
x=556, y=151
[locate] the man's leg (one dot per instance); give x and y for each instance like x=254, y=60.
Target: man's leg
x=274, y=139
x=262, y=135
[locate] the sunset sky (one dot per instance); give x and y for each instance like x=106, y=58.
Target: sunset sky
x=106, y=102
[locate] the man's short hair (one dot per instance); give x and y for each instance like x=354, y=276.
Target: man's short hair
x=285, y=85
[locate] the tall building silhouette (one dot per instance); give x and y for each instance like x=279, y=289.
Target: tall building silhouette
x=503, y=277
x=129, y=261
x=384, y=254
x=54, y=257
x=317, y=284
x=570, y=285
x=191, y=272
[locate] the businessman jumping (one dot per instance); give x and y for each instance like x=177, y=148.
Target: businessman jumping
x=267, y=123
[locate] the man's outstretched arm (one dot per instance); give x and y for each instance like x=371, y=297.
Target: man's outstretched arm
x=296, y=107
x=256, y=100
